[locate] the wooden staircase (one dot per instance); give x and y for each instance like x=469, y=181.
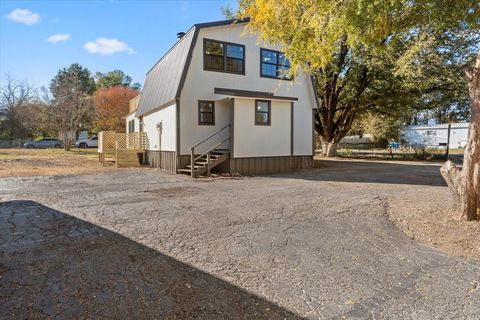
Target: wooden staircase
x=203, y=163
x=124, y=149
x=206, y=162
x=127, y=158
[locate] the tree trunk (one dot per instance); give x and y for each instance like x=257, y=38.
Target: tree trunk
x=329, y=148
x=465, y=183
x=67, y=140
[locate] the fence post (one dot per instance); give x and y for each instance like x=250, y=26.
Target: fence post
x=447, y=152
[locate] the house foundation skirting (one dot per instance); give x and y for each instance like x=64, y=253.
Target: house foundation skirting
x=165, y=160
x=169, y=161
x=265, y=165
x=183, y=161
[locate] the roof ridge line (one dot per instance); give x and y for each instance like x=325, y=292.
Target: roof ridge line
x=169, y=50
x=199, y=26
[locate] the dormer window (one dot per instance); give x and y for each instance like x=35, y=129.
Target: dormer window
x=223, y=56
x=274, y=64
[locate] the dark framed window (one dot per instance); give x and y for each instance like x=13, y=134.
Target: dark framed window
x=131, y=126
x=206, y=112
x=263, y=112
x=223, y=56
x=274, y=64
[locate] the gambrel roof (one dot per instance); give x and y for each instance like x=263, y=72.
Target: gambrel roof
x=165, y=79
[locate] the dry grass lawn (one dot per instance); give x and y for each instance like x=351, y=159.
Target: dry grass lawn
x=48, y=162
x=428, y=216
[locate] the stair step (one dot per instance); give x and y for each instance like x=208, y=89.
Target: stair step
x=216, y=156
x=195, y=167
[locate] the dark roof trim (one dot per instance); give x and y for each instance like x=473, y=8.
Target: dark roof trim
x=197, y=28
x=252, y=94
x=221, y=23
x=174, y=45
x=166, y=104
x=187, y=63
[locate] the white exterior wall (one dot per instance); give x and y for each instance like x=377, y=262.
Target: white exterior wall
x=167, y=116
x=132, y=117
x=258, y=140
x=433, y=136
x=200, y=84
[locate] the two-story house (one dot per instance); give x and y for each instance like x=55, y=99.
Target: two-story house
x=220, y=98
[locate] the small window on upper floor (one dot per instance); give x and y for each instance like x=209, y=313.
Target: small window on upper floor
x=223, y=56
x=274, y=64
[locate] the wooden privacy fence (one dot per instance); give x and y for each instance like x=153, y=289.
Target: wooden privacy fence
x=126, y=149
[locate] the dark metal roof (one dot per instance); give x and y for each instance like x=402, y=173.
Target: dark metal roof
x=252, y=94
x=165, y=79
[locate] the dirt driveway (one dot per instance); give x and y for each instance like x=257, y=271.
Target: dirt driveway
x=144, y=244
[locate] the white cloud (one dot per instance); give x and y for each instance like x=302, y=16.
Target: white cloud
x=54, y=38
x=105, y=46
x=24, y=16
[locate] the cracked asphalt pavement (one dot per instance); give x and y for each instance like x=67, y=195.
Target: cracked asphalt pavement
x=138, y=243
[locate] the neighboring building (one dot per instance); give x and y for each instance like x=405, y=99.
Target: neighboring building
x=218, y=81
x=437, y=135
x=357, y=142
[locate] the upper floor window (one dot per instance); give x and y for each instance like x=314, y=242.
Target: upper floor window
x=223, y=56
x=274, y=64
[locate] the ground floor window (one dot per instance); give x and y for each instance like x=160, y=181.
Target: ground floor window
x=206, y=112
x=262, y=112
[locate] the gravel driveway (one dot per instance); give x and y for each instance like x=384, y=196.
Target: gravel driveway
x=145, y=244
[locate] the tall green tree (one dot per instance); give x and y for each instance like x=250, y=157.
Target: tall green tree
x=386, y=47
x=72, y=103
x=115, y=78
x=362, y=59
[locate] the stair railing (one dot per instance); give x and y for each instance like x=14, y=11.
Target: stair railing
x=192, y=150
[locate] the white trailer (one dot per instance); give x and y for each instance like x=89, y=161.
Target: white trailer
x=435, y=136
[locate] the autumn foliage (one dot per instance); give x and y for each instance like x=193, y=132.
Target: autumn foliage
x=112, y=106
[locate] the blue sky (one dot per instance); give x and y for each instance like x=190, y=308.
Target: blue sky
x=39, y=37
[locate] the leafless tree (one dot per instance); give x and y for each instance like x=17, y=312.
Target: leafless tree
x=14, y=94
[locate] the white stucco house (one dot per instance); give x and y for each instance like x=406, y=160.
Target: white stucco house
x=223, y=93
x=436, y=135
